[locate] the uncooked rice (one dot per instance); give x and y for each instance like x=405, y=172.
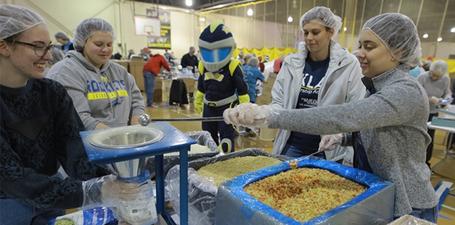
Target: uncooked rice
x=225, y=170
x=304, y=193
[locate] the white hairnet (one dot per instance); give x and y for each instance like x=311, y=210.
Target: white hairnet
x=324, y=16
x=15, y=19
x=61, y=35
x=399, y=34
x=439, y=66
x=87, y=27
x=253, y=61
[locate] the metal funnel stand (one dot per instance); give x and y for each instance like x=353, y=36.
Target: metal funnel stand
x=126, y=148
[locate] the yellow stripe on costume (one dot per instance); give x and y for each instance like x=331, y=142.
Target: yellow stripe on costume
x=233, y=65
x=201, y=67
x=244, y=98
x=213, y=76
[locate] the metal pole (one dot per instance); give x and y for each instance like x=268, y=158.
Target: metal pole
x=420, y=13
x=380, y=8
x=440, y=28
x=399, y=6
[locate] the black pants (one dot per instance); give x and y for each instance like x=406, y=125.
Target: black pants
x=220, y=127
x=430, y=146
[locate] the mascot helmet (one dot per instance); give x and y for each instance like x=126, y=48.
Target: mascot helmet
x=216, y=46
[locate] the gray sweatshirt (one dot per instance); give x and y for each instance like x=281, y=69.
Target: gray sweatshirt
x=392, y=124
x=108, y=95
x=438, y=88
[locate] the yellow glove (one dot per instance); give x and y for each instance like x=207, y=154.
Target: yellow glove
x=244, y=98
x=198, y=101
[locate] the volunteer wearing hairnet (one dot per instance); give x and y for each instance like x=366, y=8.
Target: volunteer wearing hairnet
x=323, y=74
x=39, y=131
x=103, y=92
x=391, y=119
x=437, y=86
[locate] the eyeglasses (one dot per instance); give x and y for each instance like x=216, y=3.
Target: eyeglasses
x=40, y=49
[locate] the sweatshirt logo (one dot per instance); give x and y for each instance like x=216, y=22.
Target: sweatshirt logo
x=99, y=90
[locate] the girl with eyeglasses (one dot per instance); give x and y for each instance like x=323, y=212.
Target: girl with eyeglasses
x=39, y=131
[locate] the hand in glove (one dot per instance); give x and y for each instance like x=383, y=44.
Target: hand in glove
x=434, y=100
x=330, y=142
x=248, y=115
x=198, y=101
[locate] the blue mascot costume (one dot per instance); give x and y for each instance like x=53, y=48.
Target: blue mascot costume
x=221, y=83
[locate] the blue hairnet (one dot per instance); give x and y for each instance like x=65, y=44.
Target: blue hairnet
x=15, y=19
x=399, y=34
x=87, y=27
x=324, y=16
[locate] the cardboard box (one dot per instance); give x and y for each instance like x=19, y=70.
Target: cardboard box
x=410, y=220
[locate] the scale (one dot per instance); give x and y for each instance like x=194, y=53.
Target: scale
x=125, y=149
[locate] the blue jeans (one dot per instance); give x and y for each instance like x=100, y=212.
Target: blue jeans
x=149, y=84
x=295, y=152
x=14, y=212
x=430, y=214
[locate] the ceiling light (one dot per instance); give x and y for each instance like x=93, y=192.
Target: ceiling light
x=249, y=12
x=202, y=19
x=425, y=35
x=439, y=39
x=345, y=28
x=189, y=3
x=452, y=30
x=290, y=19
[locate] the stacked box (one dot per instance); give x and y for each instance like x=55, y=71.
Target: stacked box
x=374, y=206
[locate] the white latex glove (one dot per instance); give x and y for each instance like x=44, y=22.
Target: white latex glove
x=434, y=100
x=248, y=115
x=330, y=142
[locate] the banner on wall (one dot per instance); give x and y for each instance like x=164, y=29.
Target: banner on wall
x=163, y=41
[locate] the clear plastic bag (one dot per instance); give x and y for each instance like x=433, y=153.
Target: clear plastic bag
x=201, y=137
x=202, y=192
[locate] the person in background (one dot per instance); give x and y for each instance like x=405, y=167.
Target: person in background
x=39, y=131
x=251, y=76
x=417, y=70
x=436, y=83
x=117, y=56
x=145, y=53
x=130, y=53
x=67, y=44
x=391, y=119
x=277, y=63
x=247, y=58
x=220, y=83
x=152, y=68
x=261, y=64
x=240, y=57
x=426, y=65
x=189, y=60
x=103, y=92
x=323, y=74
x=56, y=56
x=170, y=57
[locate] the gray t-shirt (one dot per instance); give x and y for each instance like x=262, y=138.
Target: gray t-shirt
x=438, y=88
